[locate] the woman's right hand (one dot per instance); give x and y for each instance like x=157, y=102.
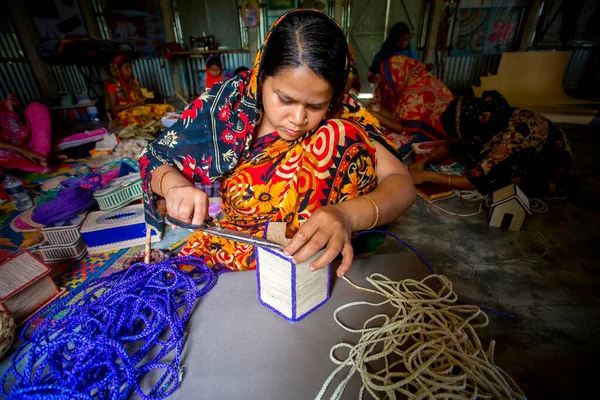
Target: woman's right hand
x=187, y=204
x=140, y=101
x=35, y=157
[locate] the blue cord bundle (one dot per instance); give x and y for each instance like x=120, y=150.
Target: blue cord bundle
x=103, y=338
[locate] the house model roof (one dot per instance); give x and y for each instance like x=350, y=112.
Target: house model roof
x=19, y=272
x=508, y=193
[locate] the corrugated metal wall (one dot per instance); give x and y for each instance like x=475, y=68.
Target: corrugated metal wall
x=73, y=79
x=461, y=72
x=16, y=74
x=192, y=67
x=155, y=74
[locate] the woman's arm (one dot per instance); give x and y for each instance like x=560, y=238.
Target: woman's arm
x=332, y=226
x=115, y=108
x=31, y=155
x=459, y=182
x=387, y=122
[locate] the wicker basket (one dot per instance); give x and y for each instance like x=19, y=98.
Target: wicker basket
x=119, y=192
x=64, y=234
x=53, y=253
x=7, y=333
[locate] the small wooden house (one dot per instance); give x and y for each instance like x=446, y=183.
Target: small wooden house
x=509, y=208
x=25, y=286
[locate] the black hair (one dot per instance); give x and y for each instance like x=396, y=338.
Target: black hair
x=124, y=61
x=399, y=28
x=240, y=69
x=309, y=39
x=214, y=60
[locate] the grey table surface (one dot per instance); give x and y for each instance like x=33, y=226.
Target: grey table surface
x=238, y=349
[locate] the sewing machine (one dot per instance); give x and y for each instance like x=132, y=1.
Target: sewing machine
x=203, y=43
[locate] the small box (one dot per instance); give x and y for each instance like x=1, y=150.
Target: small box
x=105, y=231
x=25, y=286
x=119, y=192
x=64, y=233
x=292, y=291
x=59, y=253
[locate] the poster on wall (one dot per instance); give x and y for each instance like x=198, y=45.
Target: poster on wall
x=54, y=20
x=487, y=26
x=137, y=24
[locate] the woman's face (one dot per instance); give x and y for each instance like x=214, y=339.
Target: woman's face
x=215, y=71
x=126, y=71
x=295, y=101
x=403, y=41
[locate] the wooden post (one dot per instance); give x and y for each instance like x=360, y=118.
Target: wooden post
x=166, y=7
x=530, y=21
x=338, y=9
x=432, y=31
x=89, y=16
x=31, y=44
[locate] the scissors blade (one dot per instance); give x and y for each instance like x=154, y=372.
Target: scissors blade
x=226, y=233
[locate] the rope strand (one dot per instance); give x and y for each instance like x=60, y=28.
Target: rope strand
x=100, y=341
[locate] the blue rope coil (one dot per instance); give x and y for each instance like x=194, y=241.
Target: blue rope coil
x=102, y=339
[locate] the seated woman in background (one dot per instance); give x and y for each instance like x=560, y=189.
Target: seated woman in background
x=214, y=73
x=409, y=101
x=25, y=135
x=502, y=145
x=125, y=99
x=285, y=148
x=397, y=43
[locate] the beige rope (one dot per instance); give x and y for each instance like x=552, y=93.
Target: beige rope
x=428, y=349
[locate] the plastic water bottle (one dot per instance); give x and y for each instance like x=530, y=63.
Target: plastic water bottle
x=16, y=193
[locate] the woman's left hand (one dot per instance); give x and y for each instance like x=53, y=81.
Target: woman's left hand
x=328, y=227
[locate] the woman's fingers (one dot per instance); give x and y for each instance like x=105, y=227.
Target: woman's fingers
x=347, y=258
x=301, y=238
x=334, y=248
x=200, y=208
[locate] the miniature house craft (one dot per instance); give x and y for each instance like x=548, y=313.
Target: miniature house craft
x=290, y=290
x=25, y=286
x=509, y=208
x=63, y=242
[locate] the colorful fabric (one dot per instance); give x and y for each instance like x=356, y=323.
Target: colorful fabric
x=389, y=48
x=127, y=93
x=416, y=98
x=32, y=130
x=213, y=141
x=508, y=145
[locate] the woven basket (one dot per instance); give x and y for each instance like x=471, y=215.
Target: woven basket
x=64, y=234
x=58, y=253
x=7, y=333
x=119, y=192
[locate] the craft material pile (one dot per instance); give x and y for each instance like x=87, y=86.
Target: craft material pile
x=428, y=349
x=102, y=339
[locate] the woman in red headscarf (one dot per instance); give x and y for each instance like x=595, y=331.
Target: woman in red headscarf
x=124, y=96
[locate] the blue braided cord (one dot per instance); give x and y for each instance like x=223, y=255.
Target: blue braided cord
x=429, y=267
x=100, y=340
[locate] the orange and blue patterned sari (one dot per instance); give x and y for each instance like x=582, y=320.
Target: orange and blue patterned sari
x=268, y=178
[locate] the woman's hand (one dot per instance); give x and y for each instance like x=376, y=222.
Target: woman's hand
x=140, y=101
x=420, y=176
x=328, y=227
x=373, y=78
x=374, y=106
x=13, y=101
x=35, y=157
x=187, y=204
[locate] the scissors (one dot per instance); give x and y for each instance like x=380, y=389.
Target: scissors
x=217, y=230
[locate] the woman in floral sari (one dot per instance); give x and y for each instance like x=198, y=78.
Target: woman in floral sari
x=409, y=101
x=501, y=145
x=125, y=99
x=287, y=145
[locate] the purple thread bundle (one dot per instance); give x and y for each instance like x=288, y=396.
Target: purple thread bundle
x=76, y=198
x=99, y=341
